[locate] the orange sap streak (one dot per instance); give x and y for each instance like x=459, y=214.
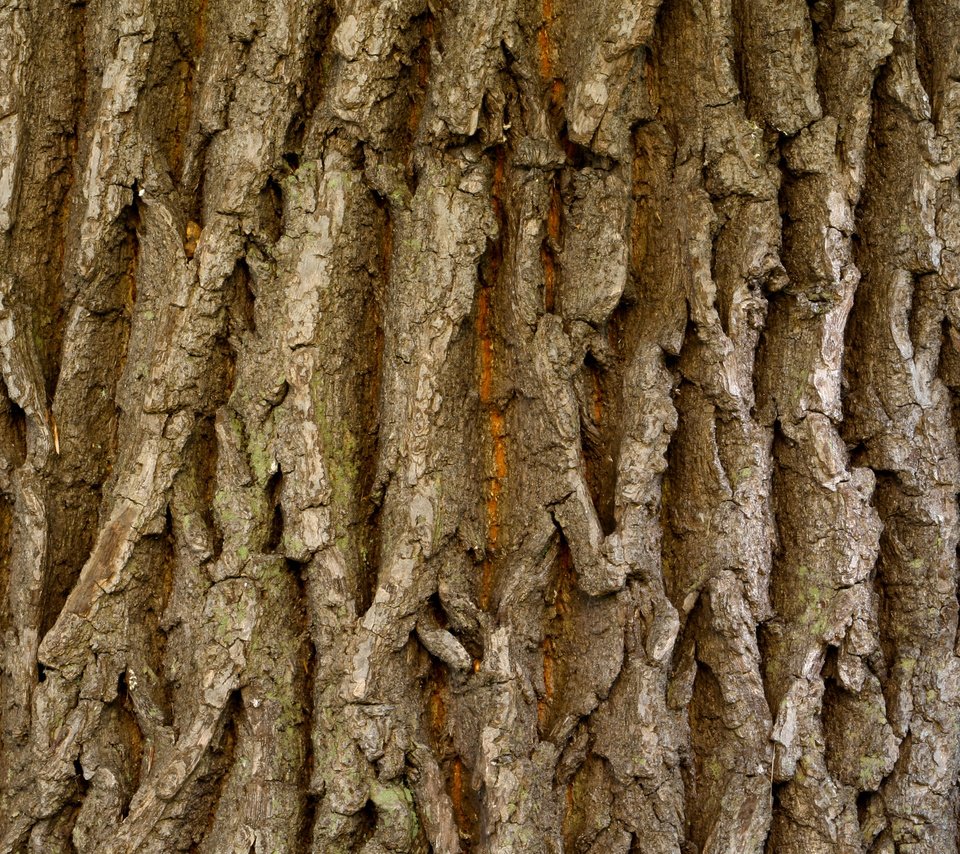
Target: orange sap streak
x=456, y=793
x=553, y=215
x=544, y=48
x=546, y=252
x=597, y=400
x=549, y=279
x=495, y=417
x=486, y=399
x=486, y=347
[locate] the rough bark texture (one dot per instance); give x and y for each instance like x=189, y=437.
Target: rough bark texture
x=479, y=426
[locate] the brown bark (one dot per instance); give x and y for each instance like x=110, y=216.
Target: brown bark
x=505, y=426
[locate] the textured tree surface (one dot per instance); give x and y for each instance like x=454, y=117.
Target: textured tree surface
x=479, y=425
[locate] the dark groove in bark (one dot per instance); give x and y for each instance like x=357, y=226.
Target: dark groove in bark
x=489, y=345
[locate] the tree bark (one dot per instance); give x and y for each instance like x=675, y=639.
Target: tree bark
x=479, y=426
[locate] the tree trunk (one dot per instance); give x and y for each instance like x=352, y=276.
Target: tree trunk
x=479, y=426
